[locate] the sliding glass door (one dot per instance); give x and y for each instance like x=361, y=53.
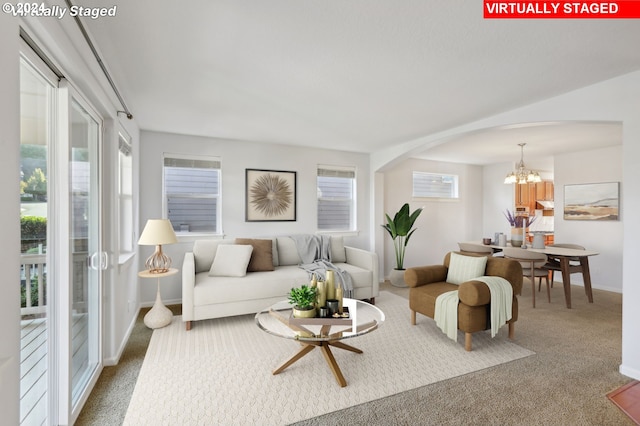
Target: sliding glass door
x=37, y=134
x=62, y=258
x=87, y=260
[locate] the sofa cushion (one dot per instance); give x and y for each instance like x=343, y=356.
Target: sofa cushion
x=261, y=256
x=231, y=260
x=359, y=277
x=464, y=268
x=204, y=251
x=287, y=252
x=338, y=254
x=255, y=285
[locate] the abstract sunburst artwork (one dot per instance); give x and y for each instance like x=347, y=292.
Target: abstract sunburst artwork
x=270, y=195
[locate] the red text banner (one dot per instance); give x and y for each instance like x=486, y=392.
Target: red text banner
x=623, y=9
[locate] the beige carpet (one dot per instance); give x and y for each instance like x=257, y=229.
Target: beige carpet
x=220, y=371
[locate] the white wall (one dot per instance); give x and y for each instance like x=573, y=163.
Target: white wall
x=10, y=219
x=602, y=165
x=236, y=156
x=498, y=198
x=442, y=223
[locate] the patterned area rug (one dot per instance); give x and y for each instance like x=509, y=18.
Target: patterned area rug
x=220, y=371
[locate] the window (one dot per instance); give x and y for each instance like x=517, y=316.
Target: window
x=336, y=198
x=125, y=195
x=192, y=193
x=435, y=185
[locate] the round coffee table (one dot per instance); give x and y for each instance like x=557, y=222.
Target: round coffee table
x=320, y=332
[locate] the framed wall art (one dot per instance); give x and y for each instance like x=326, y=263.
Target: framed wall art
x=592, y=201
x=270, y=195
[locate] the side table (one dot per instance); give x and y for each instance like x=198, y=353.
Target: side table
x=159, y=316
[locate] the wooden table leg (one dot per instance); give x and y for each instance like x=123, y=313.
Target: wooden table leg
x=566, y=280
x=333, y=365
x=533, y=283
x=586, y=277
x=302, y=352
x=345, y=347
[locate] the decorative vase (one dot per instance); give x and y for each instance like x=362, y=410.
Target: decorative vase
x=396, y=277
x=314, y=281
x=339, y=296
x=331, y=285
x=321, y=295
x=516, y=236
x=308, y=312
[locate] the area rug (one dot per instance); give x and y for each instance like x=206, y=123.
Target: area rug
x=219, y=373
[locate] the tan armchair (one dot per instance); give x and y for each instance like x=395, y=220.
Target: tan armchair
x=428, y=282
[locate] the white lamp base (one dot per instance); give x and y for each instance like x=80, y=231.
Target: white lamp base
x=159, y=316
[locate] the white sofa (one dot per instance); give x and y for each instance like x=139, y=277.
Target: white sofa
x=205, y=296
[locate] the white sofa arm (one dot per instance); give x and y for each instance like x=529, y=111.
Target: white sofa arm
x=367, y=260
x=188, y=283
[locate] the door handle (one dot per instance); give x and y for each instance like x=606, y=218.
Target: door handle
x=104, y=261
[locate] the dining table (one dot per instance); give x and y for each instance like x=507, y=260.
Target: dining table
x=565, y=256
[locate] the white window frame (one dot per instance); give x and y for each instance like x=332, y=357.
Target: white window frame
x=126, y=224
x=165, y=208
x=341, y=172
x=420, y=178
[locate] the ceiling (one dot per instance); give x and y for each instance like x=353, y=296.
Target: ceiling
x=357, y=75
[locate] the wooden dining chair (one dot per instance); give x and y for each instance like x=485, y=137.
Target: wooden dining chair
x=553, y=263
x=532, y=267
x=475, y=249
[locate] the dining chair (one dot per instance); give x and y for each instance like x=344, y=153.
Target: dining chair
x=553, y=263
x=475, y=249
x=532, y=267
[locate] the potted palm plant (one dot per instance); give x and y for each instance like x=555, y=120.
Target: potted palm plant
x=400, y=228
x=303, y=300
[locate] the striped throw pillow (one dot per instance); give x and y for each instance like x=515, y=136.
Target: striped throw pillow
x=465, y=268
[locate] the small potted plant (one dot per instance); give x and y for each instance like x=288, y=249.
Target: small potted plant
x=303, y=300
x=400, y=230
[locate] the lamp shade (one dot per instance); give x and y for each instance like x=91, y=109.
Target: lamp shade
x=157, y=232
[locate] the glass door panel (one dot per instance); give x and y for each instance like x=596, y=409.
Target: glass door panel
x=36, y=121
x=85, y=254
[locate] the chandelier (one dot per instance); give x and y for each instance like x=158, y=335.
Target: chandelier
x=522, y=175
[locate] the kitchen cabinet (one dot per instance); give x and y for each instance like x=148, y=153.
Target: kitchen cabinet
x=544, y=191
x=526, y=195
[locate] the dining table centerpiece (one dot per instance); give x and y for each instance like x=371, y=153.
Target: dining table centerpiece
x=519, y=227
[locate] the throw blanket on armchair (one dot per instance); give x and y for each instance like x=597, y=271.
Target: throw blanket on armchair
x=315, y=253
x=446, y=309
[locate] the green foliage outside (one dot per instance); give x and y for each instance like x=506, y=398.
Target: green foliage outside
x=33, y=232
x=36, y=185
x=34, y=293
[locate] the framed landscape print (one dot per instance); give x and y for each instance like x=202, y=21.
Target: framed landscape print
x=270, y=195
x=592, y=201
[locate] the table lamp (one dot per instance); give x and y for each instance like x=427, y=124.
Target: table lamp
x=156, y=233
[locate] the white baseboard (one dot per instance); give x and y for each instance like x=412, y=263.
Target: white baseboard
x=630, y=372
x=165, y=302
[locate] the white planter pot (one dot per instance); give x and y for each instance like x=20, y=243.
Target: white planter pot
x=396, y=277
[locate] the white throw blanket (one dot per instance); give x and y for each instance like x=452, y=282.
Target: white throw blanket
x=446, y=309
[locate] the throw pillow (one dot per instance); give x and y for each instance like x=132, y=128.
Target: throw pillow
x=231, y=260
x=261, y=256
x=338, y=254
x=465, y=268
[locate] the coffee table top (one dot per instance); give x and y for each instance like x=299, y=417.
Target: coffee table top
x=363, y=318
